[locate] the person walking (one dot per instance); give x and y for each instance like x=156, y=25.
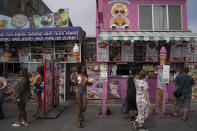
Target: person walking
x=3, y=85
x=131, y=96
x=22, y=97
x=142, y=100
x=81, y=78
x=184, y=82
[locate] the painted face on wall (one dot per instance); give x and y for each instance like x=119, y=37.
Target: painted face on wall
x=119, y=13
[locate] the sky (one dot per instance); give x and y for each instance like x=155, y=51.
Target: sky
x=83, y=13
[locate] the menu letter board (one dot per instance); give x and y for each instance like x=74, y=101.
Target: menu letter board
x=127, y=52
x=103, y=51
x=152, y=52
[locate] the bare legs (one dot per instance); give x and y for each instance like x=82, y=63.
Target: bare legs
x=38, y=100
x=21, y=113
x=81, y=106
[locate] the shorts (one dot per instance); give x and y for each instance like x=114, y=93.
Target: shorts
x=183, y=102
x=38, y=90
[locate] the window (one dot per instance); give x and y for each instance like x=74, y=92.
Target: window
x=41, y=9
x=22, y=5
x=145, y=17
x=160, y=17
x=175, y=17
x=3, y=2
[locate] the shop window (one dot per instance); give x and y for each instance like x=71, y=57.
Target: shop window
x=3, y=2
x=174, y=17
x=90, y=52
x=140, y=51
x=160, y=17
x=145, y=17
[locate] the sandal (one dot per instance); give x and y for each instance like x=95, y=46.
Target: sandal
x=173, y=115
x=82, y=118
x=80, y=125
x=184, y=119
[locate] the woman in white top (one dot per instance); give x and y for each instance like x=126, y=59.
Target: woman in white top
x=142, y=100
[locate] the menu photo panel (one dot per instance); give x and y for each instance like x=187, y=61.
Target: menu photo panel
x=152, y=51
x=176, y=52
x=188, y=51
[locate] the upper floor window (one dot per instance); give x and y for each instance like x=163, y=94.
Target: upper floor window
x=160, y=17
x=22, y=5
x=41, y=9
x=3, y=2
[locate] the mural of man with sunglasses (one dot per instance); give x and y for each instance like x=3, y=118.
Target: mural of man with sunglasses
x=119, y=13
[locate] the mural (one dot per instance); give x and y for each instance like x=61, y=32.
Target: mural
x=119, y=12
x=57, y=19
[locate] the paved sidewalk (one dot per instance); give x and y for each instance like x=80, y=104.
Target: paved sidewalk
x=118, y=122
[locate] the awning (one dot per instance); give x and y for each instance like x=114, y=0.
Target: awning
x=147, y=35
x=42, y=34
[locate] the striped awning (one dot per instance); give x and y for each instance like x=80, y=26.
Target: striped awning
x=147, y=35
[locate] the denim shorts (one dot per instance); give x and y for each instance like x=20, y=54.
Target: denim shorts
x=38, y=90
x=183, y=102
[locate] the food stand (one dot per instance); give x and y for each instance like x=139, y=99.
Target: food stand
x=42, y=38
x=125, y=48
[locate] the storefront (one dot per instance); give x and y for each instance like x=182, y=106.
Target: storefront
x=127, y=42
x=28, y=42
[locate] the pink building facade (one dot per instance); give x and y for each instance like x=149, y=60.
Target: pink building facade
x=130, y=34
x=105, y=11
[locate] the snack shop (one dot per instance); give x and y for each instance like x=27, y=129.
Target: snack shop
x=130, y=35
x=28, y=43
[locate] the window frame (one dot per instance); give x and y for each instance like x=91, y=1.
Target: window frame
x=4, y=4
x=167, y=11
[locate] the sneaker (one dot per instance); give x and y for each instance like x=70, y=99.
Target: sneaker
x=16, y=125
x=135, y=124
x=142, y=129
x=24, y=123
x=132, y=118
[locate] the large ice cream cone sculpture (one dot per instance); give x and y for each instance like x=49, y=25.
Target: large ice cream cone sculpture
x=76, y=53
x=163, y=56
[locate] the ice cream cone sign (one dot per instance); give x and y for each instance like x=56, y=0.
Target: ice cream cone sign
x=163, y=56
x=76, y=52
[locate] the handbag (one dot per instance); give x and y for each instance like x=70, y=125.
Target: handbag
x=124, y=108
x=178, y=91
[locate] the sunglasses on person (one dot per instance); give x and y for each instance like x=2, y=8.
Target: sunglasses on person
x=119, y=11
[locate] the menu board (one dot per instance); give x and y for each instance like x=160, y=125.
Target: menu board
x=127, y=52
x=93, y=70
x=102, y=51
x=113, y=89
x=151, y=52
x=193, y=68
x=96, y=90
x=140, y=51
x=188, y=51
x=176, y=51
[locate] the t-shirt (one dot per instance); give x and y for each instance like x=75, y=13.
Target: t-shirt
x=185, y=82
x=23, y=90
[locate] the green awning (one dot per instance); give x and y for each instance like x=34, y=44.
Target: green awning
x=147, y=35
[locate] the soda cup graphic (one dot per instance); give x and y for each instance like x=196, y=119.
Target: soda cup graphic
x=36, y=20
